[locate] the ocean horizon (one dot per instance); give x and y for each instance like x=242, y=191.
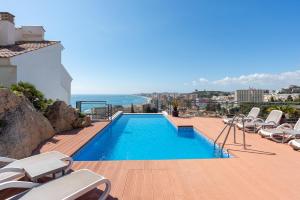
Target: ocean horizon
x=114, y=99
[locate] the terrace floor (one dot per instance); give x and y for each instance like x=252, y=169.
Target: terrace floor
x=266, y=170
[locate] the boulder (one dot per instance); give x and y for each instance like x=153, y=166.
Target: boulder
x=82, y=122
x=22, y=128
x=64, y=117
x=61, y=116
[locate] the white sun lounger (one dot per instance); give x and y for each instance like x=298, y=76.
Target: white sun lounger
x=253, y=114
x=282, y=133
x=295, y=144
x=272, y=121
x=15, y=168
x=67, y=187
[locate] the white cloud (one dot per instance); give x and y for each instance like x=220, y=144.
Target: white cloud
x=258, y=80
x=200, y=81
x=275, y=80
x=203, y=80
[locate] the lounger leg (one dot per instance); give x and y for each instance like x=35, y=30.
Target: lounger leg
x=70, y=160
x=105, y=193
x=283, y=137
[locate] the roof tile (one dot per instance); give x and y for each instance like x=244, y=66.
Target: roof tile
x=23, y=47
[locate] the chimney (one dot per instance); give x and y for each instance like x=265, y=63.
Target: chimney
x=7, y=29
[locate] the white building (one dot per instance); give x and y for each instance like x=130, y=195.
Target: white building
x=282, y=97
x=26, y=56
x=250, y=95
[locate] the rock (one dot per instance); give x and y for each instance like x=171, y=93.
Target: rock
x=82, y=122
x=64, y=117
x=61, y=116
x=22, y=128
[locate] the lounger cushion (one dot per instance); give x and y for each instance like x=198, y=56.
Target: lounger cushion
x=269, y=132
x=69, y=186
x=274, y=116
x=22, y=163
x=227, y=120
x=295, y=144
x=247, y=125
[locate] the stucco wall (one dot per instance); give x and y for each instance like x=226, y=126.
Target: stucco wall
x=8, y=75
x=65, y=81
x=7, y=33
x=43, y=68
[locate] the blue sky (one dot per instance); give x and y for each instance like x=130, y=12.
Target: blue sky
x=131, y=46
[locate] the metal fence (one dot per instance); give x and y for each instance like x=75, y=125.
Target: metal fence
x=96, y=110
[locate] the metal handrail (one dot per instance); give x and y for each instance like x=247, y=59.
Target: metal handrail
x=231, y=125
x=226, y=137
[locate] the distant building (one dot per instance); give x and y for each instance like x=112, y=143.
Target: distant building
x=250, y=95
x=290, y=90
x=280, y=96
x=223, y=98
x=26, y=56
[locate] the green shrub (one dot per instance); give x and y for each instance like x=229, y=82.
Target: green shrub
x=291, y=111
x=81, y=115
x=35, y=96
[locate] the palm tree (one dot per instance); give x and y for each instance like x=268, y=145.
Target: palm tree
x=288, y=110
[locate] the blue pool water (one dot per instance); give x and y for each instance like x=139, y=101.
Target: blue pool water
x=146, y=137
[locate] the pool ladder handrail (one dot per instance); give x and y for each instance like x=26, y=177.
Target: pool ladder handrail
x=231, y=124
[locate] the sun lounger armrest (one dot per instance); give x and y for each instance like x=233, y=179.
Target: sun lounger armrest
x=11, y=169
x=17, y=184
x=270, y=124
x=285, y=126
x=297, y=136
x=258, y=120
x=242, y=116
x=250, y=118
x=7, y=160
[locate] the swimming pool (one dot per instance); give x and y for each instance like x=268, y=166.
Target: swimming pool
x=146, y=137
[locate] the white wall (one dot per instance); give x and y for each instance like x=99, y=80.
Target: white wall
x=8, y=75
x=43, y=69
x=65, y=81
x=30, y=33
x=7, y=33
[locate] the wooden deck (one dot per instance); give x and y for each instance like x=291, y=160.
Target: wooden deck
x=266, y=170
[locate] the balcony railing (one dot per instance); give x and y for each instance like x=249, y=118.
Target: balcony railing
x=96, y=110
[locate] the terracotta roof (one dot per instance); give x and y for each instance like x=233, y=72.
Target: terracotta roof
x=23, y=47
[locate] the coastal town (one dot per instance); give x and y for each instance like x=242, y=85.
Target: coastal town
x=218, y=103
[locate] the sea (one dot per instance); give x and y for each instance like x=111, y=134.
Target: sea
x=122, y=100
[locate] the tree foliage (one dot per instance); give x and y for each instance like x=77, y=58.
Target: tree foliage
x=289, y=98
x=35, y=96
x=291, y=111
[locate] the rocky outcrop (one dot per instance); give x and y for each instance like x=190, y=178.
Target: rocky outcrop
x=22, y=128
x=82, y=122
x=64, y=117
